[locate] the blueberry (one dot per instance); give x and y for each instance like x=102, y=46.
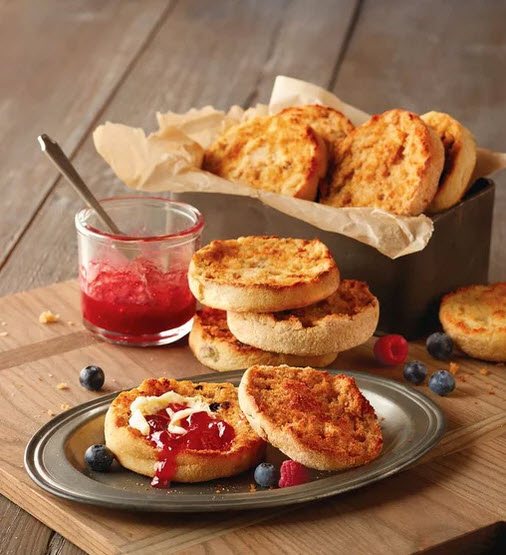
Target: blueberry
x=99, y=457
x=415, y=372
x=266, y=475
x=92, y=378
x=442, y=382
x=440, y=346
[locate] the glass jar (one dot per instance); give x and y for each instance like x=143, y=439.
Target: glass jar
x=134, y=286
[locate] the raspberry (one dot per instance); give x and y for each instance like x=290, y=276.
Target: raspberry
x=390, y=350
x=293, y=474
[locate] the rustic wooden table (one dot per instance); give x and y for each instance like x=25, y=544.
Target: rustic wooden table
x=67, y=66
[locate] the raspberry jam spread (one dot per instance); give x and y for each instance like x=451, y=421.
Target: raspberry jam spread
x=135, y=299
x=202, y=432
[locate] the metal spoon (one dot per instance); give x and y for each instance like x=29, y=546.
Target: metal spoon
x=53, y=151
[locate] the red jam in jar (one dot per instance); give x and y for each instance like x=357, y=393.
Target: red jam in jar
x=203, y=432
x=136, y=299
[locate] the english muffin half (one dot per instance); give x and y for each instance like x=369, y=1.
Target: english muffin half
x=459, y=161
x=213, y=345
x=152, y=431
x=262, y=274
x=271, y=154
x=475, y=318
x=319, y=420
x=393, y=162
x=344, y=320
x=331, y=125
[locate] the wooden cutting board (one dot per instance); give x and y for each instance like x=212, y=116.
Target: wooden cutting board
x=458, y=487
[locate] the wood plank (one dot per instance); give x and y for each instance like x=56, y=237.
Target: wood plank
x=194, y=60
x=408, y=515
x=453, y=62
x=20, y=532
x=58, y=545
x=60, y=64
x=477, y=474
x=23, y=310
x=475, y=418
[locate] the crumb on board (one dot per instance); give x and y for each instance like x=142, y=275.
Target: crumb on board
x=491, y=392
x=484, y=371
x=454, y=368
x=64, y=406
x=2, y=323
x=50, y=412
x=461, y=378
x=252, y=488
x=62, y=385
x=48, y=317
x=3, y=334
x=70, y=323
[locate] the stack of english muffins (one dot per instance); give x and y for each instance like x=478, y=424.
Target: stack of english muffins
x=271, y=301
x=398, y=161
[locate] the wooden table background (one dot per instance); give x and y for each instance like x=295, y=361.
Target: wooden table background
x=68, y=65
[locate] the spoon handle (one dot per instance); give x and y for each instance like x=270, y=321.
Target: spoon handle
x=53, y=151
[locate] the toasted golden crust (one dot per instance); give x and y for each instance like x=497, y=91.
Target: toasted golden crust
x=331, y=125
x=475, y=318
x=272, y=154
x=137, y=453
x=262, y=274
x=316, y=419
x=344, y=320
x=460, y=159
x=213, y=345
x=393, y=161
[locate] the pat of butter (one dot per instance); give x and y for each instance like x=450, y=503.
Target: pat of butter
x=153, y=404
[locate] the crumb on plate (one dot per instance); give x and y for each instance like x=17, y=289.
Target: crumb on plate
x=48, y=317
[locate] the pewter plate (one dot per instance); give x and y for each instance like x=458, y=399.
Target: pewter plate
x=412, y=424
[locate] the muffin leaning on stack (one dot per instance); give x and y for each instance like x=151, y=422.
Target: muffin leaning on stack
x=284, y=302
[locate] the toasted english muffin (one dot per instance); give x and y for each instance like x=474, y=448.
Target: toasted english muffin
x=213, y=345
x=262, y=274
x=460, y=159
x=271, y=154
x=475, y=318
x=393, y=162
x=344, y=320
x=319, y=420
x=139, y=453
x=331, y=125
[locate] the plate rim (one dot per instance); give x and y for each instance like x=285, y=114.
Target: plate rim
x=232, y=501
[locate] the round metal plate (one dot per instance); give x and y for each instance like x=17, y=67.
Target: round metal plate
x=412, y=424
